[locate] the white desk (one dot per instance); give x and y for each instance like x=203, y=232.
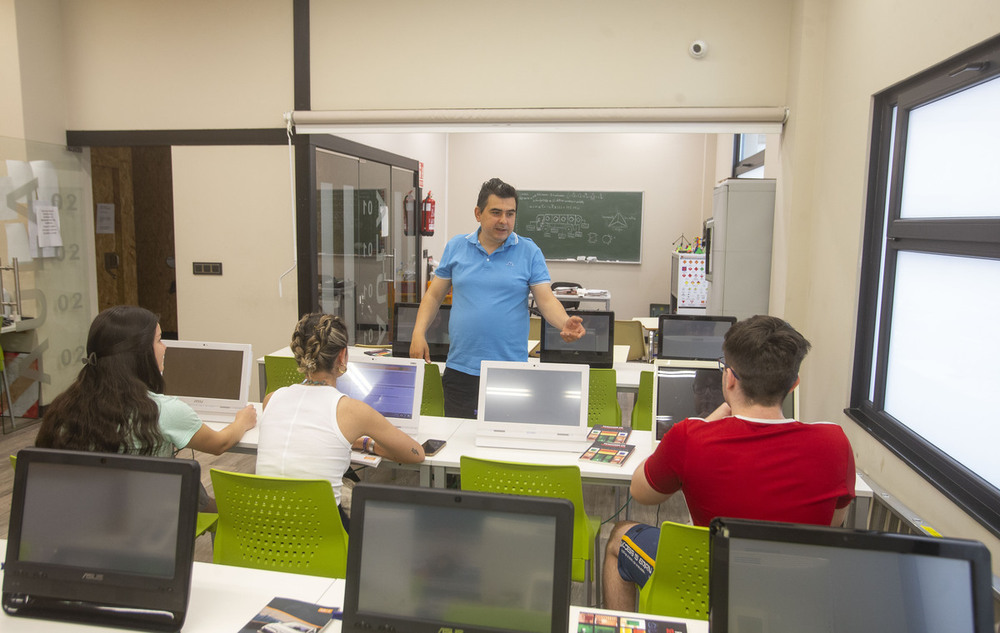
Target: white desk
x=463, y=442
x=223, y=598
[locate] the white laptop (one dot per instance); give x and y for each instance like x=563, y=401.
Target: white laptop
x=392, y=386
x=533, y=406
x=213, y=378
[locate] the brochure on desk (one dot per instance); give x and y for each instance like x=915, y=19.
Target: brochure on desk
x=608, y=446
x=608, y=623
x=284, y=615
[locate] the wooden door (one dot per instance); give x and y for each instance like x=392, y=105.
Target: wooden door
x=114, y=241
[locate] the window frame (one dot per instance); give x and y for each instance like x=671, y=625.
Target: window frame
x=884, y=238
x=748, y=163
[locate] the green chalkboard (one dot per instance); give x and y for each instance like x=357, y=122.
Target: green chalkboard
x=606, y=225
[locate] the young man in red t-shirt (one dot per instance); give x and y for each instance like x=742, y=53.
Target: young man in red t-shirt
x=745, y=460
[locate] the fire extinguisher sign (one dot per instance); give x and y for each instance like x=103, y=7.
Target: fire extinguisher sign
x=421, y=174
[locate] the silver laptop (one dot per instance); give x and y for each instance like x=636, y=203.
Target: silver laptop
x=213, y=378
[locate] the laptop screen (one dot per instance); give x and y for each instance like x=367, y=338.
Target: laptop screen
x=391, y=386
x=693, y=389
x=427, y=560
x=213, y=378
x=785, y=578
x=403, y=319
x=90, y=531
x=692, y=337
x=595, y=348
x=527, y=405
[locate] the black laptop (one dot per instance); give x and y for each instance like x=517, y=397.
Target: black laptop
x=787, y=578
x=595, y=348
x=425, y=560
x=101, y=538
x=692, y=336
x=404, y=317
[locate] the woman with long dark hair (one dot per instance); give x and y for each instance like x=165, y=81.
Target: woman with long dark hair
x=116, y=404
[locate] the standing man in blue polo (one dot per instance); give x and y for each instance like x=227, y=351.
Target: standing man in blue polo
x=490, y=272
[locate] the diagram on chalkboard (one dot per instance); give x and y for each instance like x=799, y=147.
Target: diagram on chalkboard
x=583, y=225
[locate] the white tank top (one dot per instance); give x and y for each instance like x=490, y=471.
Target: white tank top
x=300, y=437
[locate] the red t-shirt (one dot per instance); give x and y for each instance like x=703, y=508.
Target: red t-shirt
x=769, y=470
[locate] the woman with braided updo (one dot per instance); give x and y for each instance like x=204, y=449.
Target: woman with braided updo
x=116, y=404
x=308, y=429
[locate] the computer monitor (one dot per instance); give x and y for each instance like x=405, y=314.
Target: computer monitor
x=213, y=378
x=101, y=538
x=425, y=560
x=785, y=578
x=693, y=389
x=691, y=336
x=596, y=348
x=404, y=317
x=392, y=386
x=524, y=405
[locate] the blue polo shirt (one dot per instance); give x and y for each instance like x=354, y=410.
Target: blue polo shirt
x=489, y=305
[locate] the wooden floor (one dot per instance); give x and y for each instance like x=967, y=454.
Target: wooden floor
x=606, y=501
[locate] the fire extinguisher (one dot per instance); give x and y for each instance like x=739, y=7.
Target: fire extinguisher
x=410, y=214
x=427, y=216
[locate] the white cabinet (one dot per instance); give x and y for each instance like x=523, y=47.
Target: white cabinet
x=739, y=258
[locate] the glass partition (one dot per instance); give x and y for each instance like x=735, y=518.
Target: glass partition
x=366, y=257
x=45, y=211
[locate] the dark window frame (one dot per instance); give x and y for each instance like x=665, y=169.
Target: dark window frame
x=971, y=237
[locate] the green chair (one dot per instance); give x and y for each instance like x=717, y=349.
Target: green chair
x=631, y=333
x=432, y=400
x=537, y=480
x=207, y=522
x=281, y=371
x=642, y=412
x=279, y=523
x=602, y=401
x=678, y=585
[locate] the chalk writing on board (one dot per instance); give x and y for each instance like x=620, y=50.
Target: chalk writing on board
x=571, y=224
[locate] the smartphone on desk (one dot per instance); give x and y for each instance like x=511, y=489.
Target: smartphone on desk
x=431, y=447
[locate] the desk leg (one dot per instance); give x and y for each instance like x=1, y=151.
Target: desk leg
x=437, y=477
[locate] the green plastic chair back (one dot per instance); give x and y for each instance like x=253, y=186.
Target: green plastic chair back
x=207, y=522
x=631, y=333
x=642, y=412
x=13, y=461
x=432, y=401
x=279, y=523
x=678, y=585
x=281, y=371
x=602, y=404
x=537, y=480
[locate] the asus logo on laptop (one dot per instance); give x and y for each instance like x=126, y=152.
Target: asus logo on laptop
x=93, y=576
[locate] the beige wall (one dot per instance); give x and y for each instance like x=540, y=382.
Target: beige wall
x=232, y=205
x=843, y=53
x=183, y=64
x=548, y=54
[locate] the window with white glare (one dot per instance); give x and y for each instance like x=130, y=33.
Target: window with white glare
x=927, y=352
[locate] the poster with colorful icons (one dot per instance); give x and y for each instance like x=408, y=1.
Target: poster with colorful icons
x=590, y=622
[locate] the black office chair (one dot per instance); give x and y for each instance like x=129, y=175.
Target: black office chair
x=569, y=305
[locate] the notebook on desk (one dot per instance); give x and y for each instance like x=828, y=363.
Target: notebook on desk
x=213, y=378
x=101, y=538
x=426, y=560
